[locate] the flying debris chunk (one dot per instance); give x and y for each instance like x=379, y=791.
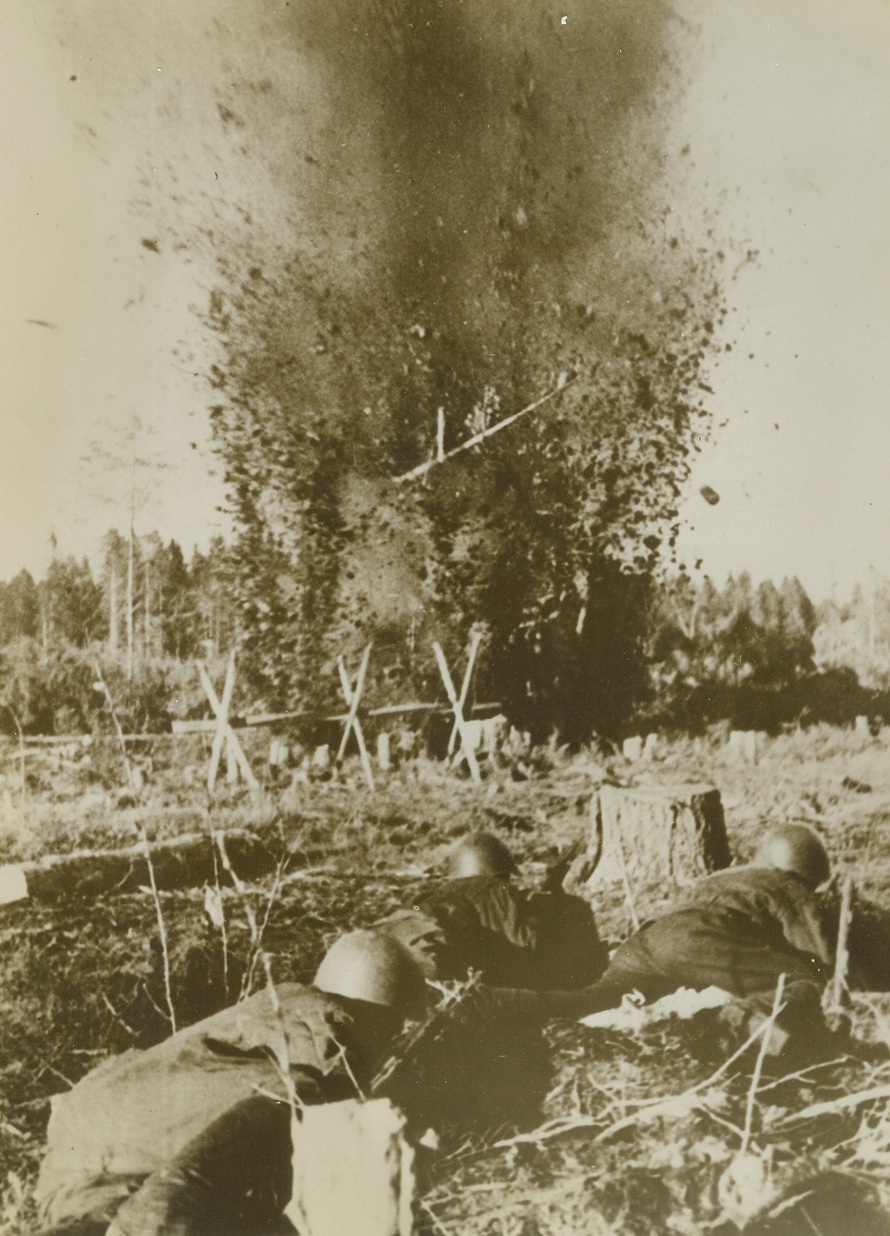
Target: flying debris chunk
x=152, y=245
x=41, y=322
x=710, y=495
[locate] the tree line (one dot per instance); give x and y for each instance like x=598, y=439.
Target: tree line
x=140, y=616
x=144, y=599
x=765, y=655
x=687, y=652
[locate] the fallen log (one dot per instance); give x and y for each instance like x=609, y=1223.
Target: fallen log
x=184, y=862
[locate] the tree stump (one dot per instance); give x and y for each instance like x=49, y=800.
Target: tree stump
x=353, y=1171
x=644, y=835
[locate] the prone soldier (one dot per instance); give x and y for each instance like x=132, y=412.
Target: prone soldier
x=477, y=919
x=193, y=1136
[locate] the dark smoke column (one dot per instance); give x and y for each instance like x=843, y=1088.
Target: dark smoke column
x=473, y=198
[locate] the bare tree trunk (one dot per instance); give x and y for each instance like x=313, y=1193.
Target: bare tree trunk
x=130, y=564
x=147, y=627
x=131, y=558
x=112, y=611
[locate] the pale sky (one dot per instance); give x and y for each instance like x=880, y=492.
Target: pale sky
x=788, y=118
x=790, y=111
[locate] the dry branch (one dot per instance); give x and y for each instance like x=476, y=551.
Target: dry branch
x=674, y=1105
x=833, y=1107
x=761, y=1056
x=837, y=989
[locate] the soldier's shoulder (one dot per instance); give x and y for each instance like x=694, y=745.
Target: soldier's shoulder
x=472, y=889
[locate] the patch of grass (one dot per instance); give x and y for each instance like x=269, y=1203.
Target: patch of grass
x=84, y=980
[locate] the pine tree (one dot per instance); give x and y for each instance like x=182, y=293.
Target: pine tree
x=19, y=609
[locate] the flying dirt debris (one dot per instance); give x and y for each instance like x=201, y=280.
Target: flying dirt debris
x=710, y=495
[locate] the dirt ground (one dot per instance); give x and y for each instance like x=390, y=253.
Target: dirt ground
x=615, y=1130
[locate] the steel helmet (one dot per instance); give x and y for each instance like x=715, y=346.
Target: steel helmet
x=795, y=848
x=371, y=966
x=479, y=854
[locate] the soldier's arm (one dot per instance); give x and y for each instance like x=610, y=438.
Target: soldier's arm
x=803, y=925
x=516, y=1003
x=235, y=1176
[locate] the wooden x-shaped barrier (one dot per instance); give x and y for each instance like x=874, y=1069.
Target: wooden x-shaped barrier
x=457, y=706
x=224, y=733
x=352, y=695
x=465, y=687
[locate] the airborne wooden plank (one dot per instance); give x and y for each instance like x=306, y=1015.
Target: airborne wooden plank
x=478, y=438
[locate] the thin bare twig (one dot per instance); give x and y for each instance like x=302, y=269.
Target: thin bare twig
x=21, y=740
x=800, y=1074
x=153, y=1002
x=146, y=848
x=646, y=1107
x=834, y=1106
x=837, y=989
x=117, y=1016
x=437, y=1223
x=758, y=1064
x=282, y=1058
x=57, y=1073
x=255, y=934
x=223, y=928
x=257, y=945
